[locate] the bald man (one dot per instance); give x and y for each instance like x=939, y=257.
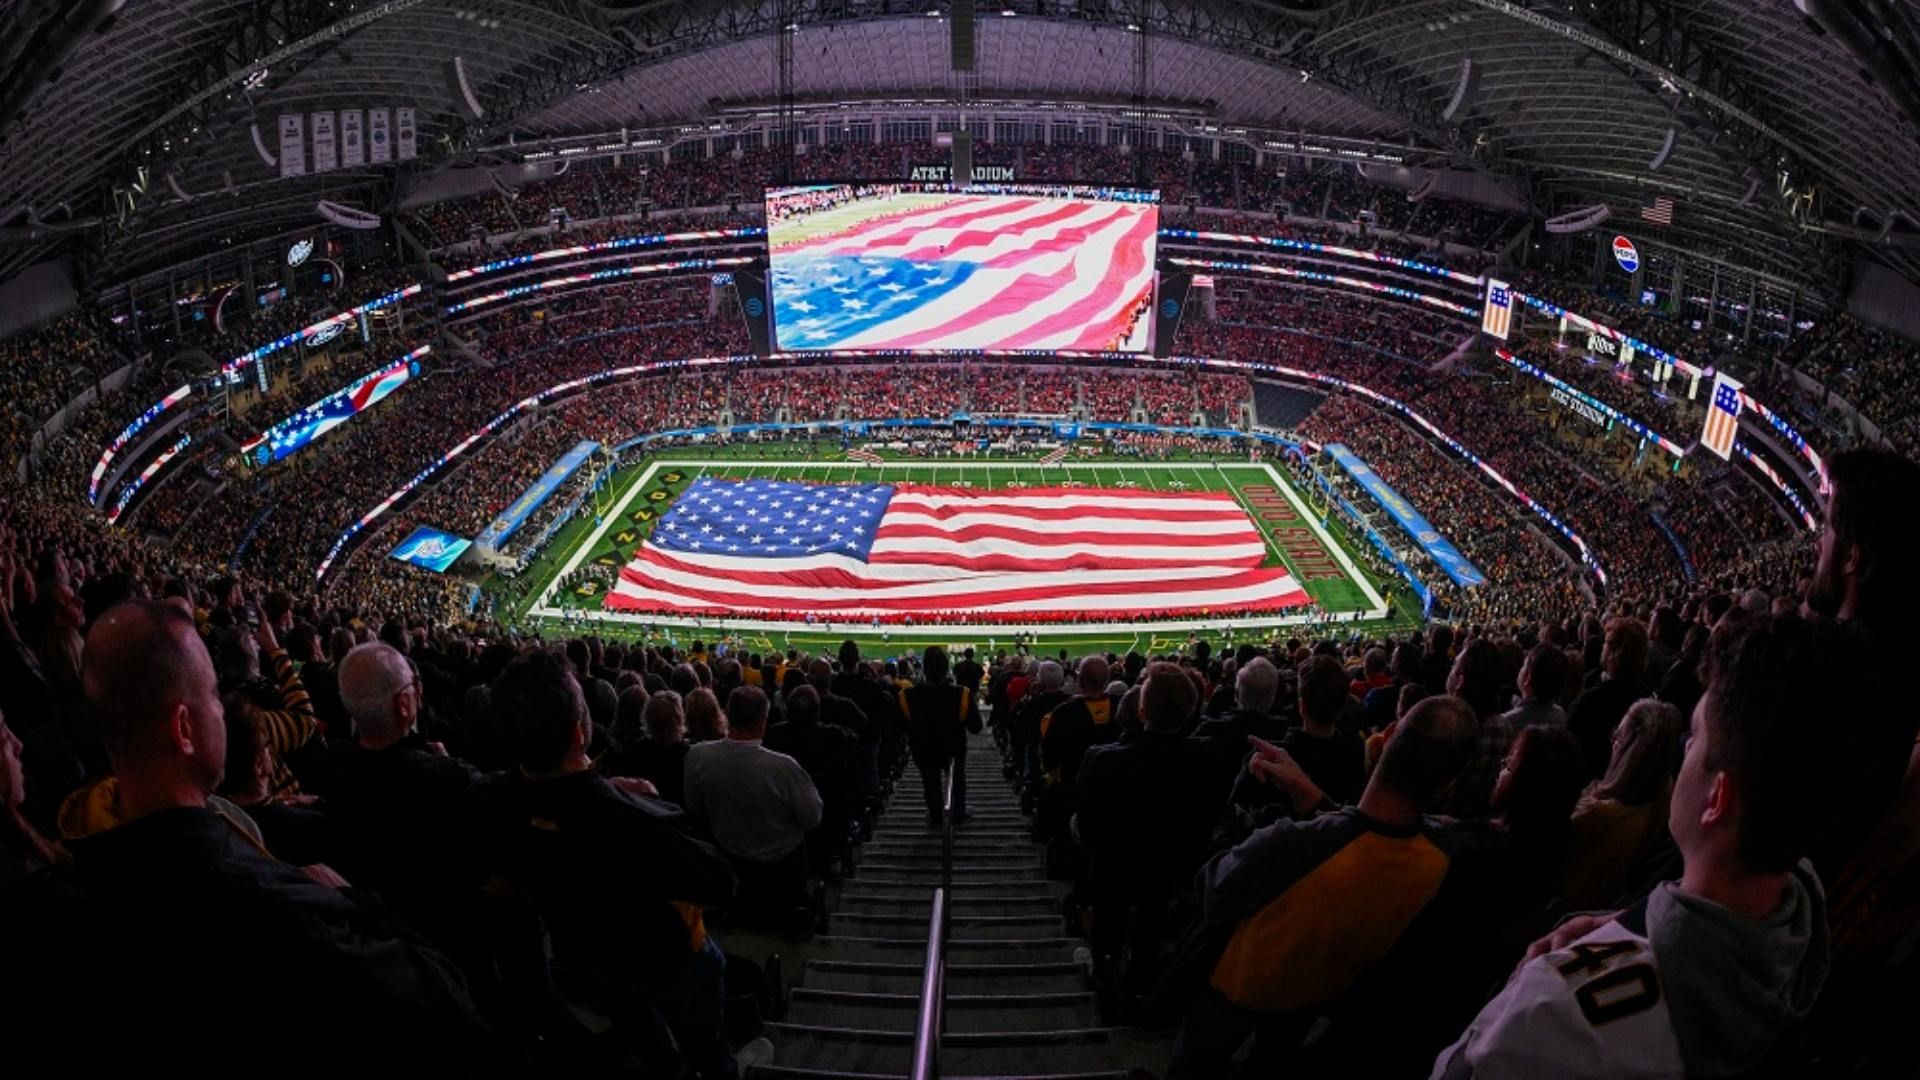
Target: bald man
x=396, y=798
x=177, y=935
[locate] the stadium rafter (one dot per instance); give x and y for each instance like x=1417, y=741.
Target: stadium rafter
x=1777, y=135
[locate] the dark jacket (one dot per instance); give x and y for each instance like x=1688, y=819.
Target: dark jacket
x=938, y=716
x=399, y=816
x=662, y=764
x=1147, y=808
x=828, y=752
x=617, y=878
x=875, y=700
x=175, y=940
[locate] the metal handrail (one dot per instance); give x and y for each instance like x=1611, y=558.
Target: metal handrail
x=933, y=995
x=933, y=977
x=946, y=832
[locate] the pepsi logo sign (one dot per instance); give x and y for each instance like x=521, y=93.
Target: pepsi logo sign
x=1626, y=254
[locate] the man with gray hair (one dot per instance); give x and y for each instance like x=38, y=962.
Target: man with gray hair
x=1256, y=687
x=396, y=798
x=1046, y=691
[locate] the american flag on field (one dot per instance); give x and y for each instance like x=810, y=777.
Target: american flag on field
x=760, y=546
x=1660, y=213
x=1723, y=416
x=972, y=271
x=1496, y=319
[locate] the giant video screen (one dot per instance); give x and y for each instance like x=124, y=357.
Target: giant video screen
x=994, y=267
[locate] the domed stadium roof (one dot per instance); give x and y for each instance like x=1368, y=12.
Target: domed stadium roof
x=1782, y=132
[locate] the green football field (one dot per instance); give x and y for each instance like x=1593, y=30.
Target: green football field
x=1314, y=552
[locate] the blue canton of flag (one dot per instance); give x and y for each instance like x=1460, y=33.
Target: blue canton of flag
x=828, y=298
x=1499, y=298
x=773, y=519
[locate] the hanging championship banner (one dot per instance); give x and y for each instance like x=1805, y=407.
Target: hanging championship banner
x=326, y=153
x=379, y=146
x=353, y=151
x=293, y=144
x=403, y=134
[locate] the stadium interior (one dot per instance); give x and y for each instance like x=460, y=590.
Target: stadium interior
x=1056, y=539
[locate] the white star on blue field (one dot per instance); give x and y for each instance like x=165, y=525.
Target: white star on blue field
x=773, y=519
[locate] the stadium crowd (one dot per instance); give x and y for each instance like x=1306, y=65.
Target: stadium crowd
x=211, y=784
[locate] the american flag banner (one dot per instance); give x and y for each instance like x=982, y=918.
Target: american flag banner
x=1496, y=319
x=783, y=548
x=905, y=269
x=1723, y=416
x=1660, y=213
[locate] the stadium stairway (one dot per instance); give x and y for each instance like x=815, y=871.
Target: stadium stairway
x=1019, y=1002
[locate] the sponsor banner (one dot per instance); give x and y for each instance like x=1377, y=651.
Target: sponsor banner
x=326, y=153
x=379, y=139
x=403, y=134
x=530, y=500
x=1438, y=548
x=353, y=147
x=293, y=144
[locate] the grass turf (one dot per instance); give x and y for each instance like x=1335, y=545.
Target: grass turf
x=824, y=463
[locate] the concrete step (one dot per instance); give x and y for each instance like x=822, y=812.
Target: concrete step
x=1044, y=950
x=914, y=927
x=966, y=1014
x=961, y=891
x=920, y=904
x=929, y=875
x=980, y=1053
x=922, y=907
x=903, y=977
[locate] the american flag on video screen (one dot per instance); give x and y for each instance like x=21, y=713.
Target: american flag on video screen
x=1723, y=417
x=859, y=550
x=1660, y=213
x=985, y=272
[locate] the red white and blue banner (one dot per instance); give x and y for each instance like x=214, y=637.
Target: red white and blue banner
x=1496, y=317
x=1723, y=416
x=767, y=547
x=903, y=266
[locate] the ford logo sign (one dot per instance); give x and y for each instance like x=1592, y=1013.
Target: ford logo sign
x=299, y=252
x=324, y=334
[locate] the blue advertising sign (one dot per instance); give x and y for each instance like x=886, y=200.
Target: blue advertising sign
x=431, y=549
x=1437, y=547
x=542, y=489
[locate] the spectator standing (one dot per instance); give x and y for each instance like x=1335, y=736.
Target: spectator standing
x=939, y=716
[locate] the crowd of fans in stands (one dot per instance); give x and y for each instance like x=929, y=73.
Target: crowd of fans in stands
x=209, y=785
